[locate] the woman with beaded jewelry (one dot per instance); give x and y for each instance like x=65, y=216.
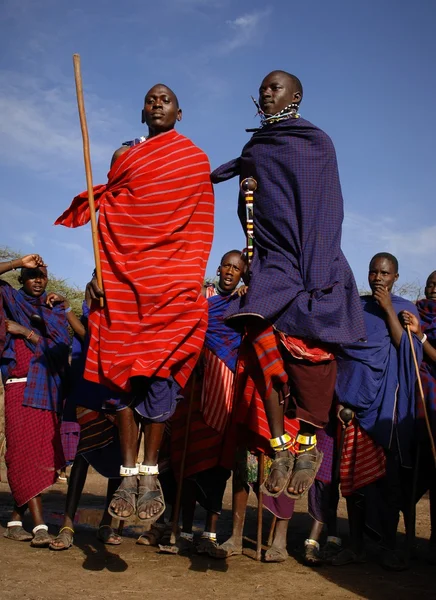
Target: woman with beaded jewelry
x=302, y=298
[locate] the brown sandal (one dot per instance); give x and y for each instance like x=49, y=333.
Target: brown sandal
x=283, y=465
x=305, y=461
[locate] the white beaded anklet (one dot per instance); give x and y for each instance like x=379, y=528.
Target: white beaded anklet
x=148, y=470
x=39, y=528
x=127, y=471
x=15, y=524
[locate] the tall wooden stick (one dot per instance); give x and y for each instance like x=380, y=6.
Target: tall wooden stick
x=88, y=170
x=182, y=464
x=272, y=531
x=421, y=394
x=260, y=477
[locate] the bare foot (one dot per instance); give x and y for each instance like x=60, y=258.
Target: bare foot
x=107, y=535
x=276, y=553
x=231, y=547
x=279, y=474
x=123, y=504
x=63, y=540
x=151, y=502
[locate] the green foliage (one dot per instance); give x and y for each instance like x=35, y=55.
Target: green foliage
x=55, y=284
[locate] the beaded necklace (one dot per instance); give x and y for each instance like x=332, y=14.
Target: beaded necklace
x=289, y=112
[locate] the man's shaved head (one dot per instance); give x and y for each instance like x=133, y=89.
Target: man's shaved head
x=279, y=90
x=161, y=109
x=169, y=92
x=293, y=80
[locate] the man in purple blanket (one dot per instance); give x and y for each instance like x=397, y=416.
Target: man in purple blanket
x=426, y=468
x=302, y=298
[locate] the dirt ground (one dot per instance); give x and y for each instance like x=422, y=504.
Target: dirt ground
x=90, y=570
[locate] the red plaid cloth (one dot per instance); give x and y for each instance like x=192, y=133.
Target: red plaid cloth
x=34, y=448
x=362, y=461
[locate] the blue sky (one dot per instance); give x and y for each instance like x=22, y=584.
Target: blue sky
x=369, y=80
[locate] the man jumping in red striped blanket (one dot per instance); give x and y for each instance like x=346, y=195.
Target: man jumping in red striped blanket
x=155, y=233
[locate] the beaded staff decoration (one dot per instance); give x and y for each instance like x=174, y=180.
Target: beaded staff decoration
x=248, y=187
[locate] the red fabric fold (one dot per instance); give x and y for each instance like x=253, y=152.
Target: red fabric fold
x=155, y=232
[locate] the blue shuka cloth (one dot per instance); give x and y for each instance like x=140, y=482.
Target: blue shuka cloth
x=50, y=355
x=378, y=381
x=85, y=393
x=300, y=280
x=221, y=339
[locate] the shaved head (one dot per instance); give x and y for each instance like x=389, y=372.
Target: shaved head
x=293, y=81
x=169, y=91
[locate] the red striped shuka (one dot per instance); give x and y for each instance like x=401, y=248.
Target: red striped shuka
x=212, y=399
x=155, y=232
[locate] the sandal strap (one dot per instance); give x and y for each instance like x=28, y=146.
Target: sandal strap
x=15, y=524
x=306, y=461
x=208, y=535
x=187, y=536
x=310, y=542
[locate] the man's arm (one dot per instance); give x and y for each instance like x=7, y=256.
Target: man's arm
x=30, y=261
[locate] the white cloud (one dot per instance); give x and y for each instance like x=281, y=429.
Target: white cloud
x=390, y=235
x=27, y=238
x=39, y=125
x=246, y=30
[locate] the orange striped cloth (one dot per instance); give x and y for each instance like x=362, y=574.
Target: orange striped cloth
x=248, y=425
x=155, y=233
x=362, y=461
x=217, y=392
x=204, y=442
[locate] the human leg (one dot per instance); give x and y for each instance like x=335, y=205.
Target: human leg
x=123, y=504
x=14, y=530
x=277, y=552
x=240, y=493
x=356, y=523
x=41, y=537
x=78, y=475
x=311, y=389
x=105, y=532
x=151, y=504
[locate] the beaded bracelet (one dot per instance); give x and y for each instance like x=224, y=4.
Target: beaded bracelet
x=30, y=334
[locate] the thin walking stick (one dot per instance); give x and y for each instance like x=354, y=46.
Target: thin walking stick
x=421, y=394
x=260, y=476
x=88, y=170
x=272, y=531
x=411, y=517
x=182, y=464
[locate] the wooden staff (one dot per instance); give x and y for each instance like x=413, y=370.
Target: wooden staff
x=272, y=532
x=260, y=476
x=182, y=464
x=88, y=170
x=421, y=394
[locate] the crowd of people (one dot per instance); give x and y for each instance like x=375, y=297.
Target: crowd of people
x=277, y=374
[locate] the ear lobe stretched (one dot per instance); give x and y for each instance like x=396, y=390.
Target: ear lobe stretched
x=142, y=116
